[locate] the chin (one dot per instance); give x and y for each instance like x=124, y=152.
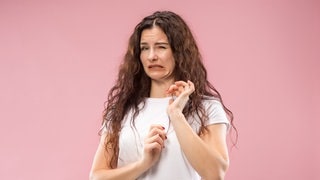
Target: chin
x=156, y=76
x=159, y=76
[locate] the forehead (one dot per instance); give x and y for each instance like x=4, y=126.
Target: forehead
x=153, y=35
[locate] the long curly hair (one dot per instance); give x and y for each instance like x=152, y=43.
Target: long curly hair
x=133, y=85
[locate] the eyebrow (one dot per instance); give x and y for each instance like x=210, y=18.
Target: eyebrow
x=157, y=43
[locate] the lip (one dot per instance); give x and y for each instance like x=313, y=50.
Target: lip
x=155, y=66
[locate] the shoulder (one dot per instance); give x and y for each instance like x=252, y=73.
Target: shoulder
x=215, y=110
x=209, y=101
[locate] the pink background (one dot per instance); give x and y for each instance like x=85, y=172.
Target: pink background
x=59, y=59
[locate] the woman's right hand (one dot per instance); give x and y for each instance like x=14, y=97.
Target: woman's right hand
x=153, y=145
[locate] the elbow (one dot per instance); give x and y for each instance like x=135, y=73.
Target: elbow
x=217, y=172
x=225, y=166
x=93, y=176
x=98, y=175
x=218, y=175
x=222, y=170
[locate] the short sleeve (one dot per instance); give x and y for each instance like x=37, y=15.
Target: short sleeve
x=216, y=113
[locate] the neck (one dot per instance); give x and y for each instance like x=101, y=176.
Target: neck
x=158, y=89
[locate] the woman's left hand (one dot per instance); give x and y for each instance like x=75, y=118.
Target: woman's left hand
x=182, y=90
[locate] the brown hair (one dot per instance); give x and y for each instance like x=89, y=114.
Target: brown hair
x=133, y=85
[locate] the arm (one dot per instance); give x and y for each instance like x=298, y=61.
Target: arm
x=209, y=154
x=101, y=170
x=153, y=145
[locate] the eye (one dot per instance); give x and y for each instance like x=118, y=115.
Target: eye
x=162, y=47
x=143, y=48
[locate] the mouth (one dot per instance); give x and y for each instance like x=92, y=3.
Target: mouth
x=155, y=66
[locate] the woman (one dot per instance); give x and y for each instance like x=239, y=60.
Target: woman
x=163, y=119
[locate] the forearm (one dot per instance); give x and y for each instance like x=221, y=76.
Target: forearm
x=206, y=160
x=130, y=171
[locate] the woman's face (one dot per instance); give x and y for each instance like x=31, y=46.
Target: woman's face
x=156, y=55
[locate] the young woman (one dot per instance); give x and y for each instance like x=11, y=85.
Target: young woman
x=163, y=119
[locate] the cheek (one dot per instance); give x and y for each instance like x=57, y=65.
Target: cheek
x=142, y=60
x=173, y=64
x=144, y=65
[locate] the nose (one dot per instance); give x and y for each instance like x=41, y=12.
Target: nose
x=152, y=56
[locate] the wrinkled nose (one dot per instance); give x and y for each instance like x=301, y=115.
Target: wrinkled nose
x=152, y=56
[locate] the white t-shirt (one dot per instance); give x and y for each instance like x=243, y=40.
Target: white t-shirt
x=173, y=164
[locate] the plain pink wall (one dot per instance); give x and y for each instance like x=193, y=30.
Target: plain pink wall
x=59, y=59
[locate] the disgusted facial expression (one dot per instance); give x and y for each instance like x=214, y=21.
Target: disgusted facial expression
x=156, y=55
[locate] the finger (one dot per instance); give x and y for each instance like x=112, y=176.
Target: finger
x=176, y=93
x=153, y=146
x=191, y=85
x=152, y=139
x=187, y=86
x=155, y=138
x=161, y=133
x=157, y=126
x=172, y=88
x=183, y=84
x=157, y=129
x=181, y=89
x=180, y=82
